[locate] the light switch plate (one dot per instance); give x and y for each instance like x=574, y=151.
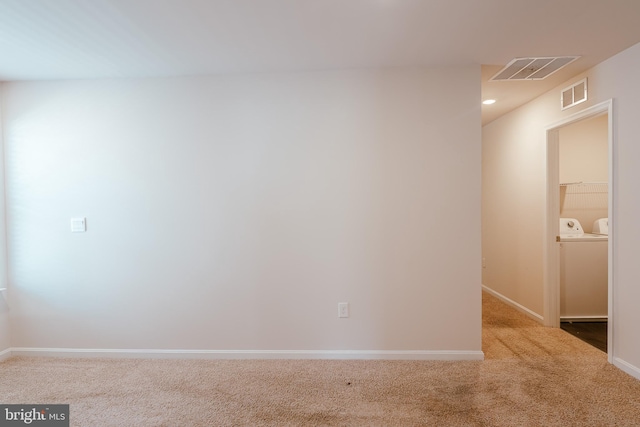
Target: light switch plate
x=78, y=225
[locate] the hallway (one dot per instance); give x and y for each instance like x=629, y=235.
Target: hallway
x=507, y=332
x=554, y=377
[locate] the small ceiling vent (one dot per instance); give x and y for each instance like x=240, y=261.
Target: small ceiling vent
x=574, y=94
x=532, y=68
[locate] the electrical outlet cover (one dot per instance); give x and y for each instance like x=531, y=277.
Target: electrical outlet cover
x=78, y=225
x=343, y=309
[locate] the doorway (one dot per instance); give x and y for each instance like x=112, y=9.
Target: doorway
x=552, y=294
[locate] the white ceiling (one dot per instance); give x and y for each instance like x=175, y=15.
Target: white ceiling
x=77, y=39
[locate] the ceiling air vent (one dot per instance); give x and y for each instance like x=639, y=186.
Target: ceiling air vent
x=532, y=68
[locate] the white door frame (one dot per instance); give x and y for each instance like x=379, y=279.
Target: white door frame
x=551, y=290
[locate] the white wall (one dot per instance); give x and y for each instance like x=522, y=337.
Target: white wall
x=584, y=151
x=583, y=154
x=513, y=194
x=5, y=341
x=514, y=188
x=235, y=212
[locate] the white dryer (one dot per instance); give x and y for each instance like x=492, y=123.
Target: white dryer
x=601, y=226
x=583, y=273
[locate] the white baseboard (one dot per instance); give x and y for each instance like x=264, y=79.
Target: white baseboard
x=5, y=354
x=578, y=319
x=626, y=367
x=535, y=316
x=250, y=354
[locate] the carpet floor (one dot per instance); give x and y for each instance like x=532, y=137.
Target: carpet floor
x=532, y=376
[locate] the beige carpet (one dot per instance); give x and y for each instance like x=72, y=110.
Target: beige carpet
x=532, y=376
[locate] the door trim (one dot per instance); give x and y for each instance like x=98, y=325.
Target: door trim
x=551, y=258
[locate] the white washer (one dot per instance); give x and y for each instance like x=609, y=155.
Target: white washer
x=583, y=273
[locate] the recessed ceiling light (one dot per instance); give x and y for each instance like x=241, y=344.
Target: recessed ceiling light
x=489, y=101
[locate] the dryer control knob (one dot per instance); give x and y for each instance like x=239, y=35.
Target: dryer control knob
x=571, y=224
